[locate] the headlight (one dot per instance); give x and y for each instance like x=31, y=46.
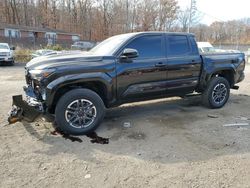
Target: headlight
x=41, y=74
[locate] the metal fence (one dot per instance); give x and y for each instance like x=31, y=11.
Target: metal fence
x=32, y=43
x=240, y=47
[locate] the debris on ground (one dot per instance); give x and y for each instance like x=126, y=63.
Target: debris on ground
x=87, y=176
x=127, y=125
x=15, y=115
x=242, y=129
x=212, y=116
x=231, y=144
x=242, y=118
x=236, y=124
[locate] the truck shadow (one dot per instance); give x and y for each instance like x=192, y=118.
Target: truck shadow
x=163, y=131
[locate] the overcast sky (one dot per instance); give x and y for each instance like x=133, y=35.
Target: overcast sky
x=220, y=10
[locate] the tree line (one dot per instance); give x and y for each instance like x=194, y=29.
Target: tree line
x=99, y=19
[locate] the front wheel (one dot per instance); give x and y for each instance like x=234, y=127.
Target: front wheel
x=11, y=63
x=79, y=111
x=217, y=93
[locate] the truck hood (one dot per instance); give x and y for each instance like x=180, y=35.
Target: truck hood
x=79, y=59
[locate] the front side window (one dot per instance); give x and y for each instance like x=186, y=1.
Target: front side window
x=178, y=45
x=147, y=46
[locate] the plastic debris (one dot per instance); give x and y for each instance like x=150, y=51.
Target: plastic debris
x=243, y=118
x=236, y=124
x=212, y=116
x=87, y=176
x=127, y=124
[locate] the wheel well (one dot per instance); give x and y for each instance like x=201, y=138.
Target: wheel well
x=227, y=74
x=97, y=87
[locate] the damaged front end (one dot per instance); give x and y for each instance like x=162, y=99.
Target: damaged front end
x=34, y=103
x=28, y=109
x=38, y=74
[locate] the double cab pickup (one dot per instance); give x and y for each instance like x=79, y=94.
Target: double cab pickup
x=77, y=88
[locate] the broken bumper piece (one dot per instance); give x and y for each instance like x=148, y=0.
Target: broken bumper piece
x=24, y=110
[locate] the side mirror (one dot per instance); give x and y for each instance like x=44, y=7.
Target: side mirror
x=129, y=53
x=13, y=48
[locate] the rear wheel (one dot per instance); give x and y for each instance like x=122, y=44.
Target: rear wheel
x=217, y=93
x=79, y=111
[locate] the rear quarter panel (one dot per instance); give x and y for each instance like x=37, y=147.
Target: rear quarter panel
x=213, y=63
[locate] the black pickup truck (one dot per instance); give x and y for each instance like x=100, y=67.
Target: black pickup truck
x=77, y=88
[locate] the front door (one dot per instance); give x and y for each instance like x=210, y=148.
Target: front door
x=144, y=76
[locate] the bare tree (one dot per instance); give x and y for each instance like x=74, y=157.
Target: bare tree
x=167, y=14
x=184, y=19
x=189, y=17
x=99, y=19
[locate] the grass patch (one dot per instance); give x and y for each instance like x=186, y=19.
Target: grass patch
x=56, y=47
x=22, y=55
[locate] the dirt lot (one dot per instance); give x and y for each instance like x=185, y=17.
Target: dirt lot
x=171, y=143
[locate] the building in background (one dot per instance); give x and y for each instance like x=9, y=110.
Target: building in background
x=26, y=36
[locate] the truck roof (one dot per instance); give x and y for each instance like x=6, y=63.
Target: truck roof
x=153, y=32
x=157, y=32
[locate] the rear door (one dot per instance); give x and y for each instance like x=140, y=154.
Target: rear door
x=184, y=63
x=144, y=76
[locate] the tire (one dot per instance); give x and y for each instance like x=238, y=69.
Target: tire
x=217, y=93
x=12, y=63
x=75, y=109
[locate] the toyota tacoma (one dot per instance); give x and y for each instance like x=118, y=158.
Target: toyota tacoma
x=77, y=88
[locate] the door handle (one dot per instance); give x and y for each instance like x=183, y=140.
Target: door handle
x=160, y=64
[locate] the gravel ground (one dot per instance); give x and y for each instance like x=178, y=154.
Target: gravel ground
x=170, y=143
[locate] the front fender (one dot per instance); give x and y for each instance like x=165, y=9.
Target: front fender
x=75, y=79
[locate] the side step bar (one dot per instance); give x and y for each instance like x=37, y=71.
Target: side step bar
x=235, y=87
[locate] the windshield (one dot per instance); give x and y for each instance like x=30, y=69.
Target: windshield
x=110, y=45
x=4, y=46
x=208, y=49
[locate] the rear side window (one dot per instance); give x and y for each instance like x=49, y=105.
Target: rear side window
x=194, y=45
x=147, y=46
x=178, y=45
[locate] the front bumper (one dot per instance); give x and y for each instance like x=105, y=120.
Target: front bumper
x=28, y=109
x=6, y=59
